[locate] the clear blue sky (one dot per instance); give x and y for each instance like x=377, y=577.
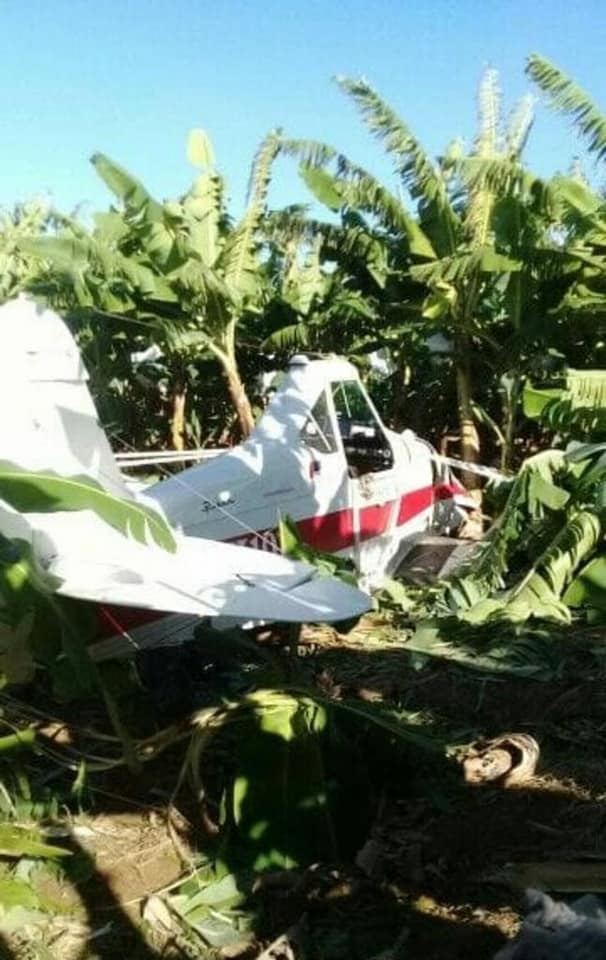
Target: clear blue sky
x=131, y=77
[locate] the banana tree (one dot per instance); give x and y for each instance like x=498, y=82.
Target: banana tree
x=465, y=259
x=181, y=269
x=581, y=210
x=17, y=268
x=321, y=301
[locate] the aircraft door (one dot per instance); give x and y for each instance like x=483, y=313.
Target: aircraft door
x=371, y=474
x=327, y=480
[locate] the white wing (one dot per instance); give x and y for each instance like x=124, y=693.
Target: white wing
x=89, y=560
x=208, y=579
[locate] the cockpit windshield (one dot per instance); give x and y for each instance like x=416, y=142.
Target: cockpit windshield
x=367, y=449
x=318, y=432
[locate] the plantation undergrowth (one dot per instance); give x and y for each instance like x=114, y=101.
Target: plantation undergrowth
x=426, y=853
x=278, y=793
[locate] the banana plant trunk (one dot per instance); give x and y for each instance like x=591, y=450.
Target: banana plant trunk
x=239, y=399
x=470, y=440
x=177, y=427
x=511, y=395
x=224, y=349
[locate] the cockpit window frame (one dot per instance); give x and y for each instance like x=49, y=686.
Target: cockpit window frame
x=332, y=441
x=359, y=463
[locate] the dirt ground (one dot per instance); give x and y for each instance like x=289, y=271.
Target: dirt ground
x=441, y=873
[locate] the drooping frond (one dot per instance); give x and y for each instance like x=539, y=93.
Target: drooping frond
x=578, y=409
x=359, y=190
x=140, y=213
x=583, y=388
x=587, y=387
x=239, y=261
x=326, y=187
x=580, y=209
x=519, y=126
x=312, y=153
x=353, y=242
x=126, y=188
x=418, y=174
x=499, y=174
x=86, y=262
x=292, y=224
x=260, y=172
x=446, y=270
x=568, y=97
x=581, y=298
x=464, y=265
x=293, y=337
x=364, y=192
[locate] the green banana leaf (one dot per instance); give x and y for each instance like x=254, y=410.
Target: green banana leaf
x=513, y=651
x=16, y=842
x=589, y=586
x=535, y=400
x=539, y=593
x=47, y=492
x=292, y=545
x=280, y=804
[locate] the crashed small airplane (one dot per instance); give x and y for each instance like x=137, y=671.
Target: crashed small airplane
x=321, y=455
x=50, y=424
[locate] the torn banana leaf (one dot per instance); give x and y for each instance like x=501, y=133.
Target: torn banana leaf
x=538, y=593
x=589, y=586
x=512, y=650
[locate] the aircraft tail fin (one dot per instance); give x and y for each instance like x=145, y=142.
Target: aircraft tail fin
x=49, y=420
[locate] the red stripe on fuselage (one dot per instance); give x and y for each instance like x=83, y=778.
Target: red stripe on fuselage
x=332, y=532
x=445, y=491
x=375, y=520
x=414, y=503
x=335, y=531
x=417, y=501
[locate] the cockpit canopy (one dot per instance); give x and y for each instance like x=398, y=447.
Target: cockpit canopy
x=343, y=411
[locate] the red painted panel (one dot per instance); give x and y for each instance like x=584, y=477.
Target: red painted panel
x=415, y=502
x=374, y=520
x=332, y=532
x=444, y=491
x=335, y=531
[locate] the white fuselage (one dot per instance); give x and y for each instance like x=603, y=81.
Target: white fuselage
x=321, y=456
x=50, y=431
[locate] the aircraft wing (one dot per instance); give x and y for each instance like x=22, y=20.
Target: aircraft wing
x=204, y=578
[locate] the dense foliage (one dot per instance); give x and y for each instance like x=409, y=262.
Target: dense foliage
x=469, y=274
x=480, y=290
